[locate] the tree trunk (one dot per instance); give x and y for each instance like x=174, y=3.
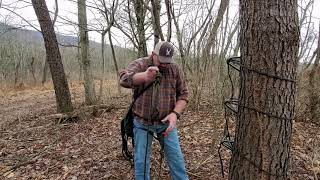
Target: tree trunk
x=114, y=60
x=269, y=41
x=33, y=70
x=140, y=15
x=156, y=7
x=60, y=83
x=214, y=30
x=169, y=7
x=45, y=72
x=89, y=87
x=17, y=72
x=103, y=67
x=313, y=88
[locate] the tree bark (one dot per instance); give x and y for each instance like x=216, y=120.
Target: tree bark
x=60, y=83
x=140, y=12
x=89, y=87
x=45, y=67
x=269, y=43
x=169, y=7
x=156, y=7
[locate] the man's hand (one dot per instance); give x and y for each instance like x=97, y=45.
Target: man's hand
x=150, y=74
x=172, y=119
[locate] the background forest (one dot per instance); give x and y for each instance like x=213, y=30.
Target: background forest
x=43, y=138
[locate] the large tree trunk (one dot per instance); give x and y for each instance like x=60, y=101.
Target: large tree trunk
x=313, y=88
x=89, y=87
x=140, y=12
x=269, y=40
x=60, y=83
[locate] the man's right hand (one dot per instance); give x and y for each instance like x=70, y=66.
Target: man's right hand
x=150, y=74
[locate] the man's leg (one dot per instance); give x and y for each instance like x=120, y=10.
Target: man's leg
x=141, y=159
x=174, y=156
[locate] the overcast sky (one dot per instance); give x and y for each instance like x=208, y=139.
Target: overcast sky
x=68, y=10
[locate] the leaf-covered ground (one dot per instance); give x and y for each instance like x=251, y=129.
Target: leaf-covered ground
x=34, y=146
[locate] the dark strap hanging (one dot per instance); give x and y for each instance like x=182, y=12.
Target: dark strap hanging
x=127, y=126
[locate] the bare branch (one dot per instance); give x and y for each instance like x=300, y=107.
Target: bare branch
x=21, y=18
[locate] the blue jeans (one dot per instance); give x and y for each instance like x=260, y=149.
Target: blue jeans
x=172, y=151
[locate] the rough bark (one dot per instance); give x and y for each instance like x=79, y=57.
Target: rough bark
x=140, y=12
x=156, y=7
x=46, y=66
x=269, y=41
x=90, y=94
x=59, y=79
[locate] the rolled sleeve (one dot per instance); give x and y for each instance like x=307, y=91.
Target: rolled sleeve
x=126, y=75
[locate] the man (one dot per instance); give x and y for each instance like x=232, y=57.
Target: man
x=157, y=109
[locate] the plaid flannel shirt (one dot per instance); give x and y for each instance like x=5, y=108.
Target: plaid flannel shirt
x=171, y=89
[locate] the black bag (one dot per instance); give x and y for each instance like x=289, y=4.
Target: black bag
x=127, y=127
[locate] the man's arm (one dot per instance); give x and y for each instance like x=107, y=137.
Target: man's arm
x=180, y=106
x=145, y=77
x=133, y=77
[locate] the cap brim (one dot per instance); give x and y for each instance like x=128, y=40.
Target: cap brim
x=164, y=59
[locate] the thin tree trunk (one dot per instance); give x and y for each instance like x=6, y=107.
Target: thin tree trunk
x=45, y=72
x=269, y=41
x=313, y=88
x=33, y=70
x=213, y=32
x=59, y=79
x=89, y=87
x=114, y=60
x=169, y=7
x=17, y=73
x=103, y=67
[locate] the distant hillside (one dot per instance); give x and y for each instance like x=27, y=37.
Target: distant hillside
x=21, y=48
x=8, y=32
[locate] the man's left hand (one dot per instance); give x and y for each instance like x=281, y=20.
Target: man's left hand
x=172, y=119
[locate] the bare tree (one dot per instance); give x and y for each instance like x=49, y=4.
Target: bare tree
x=140, y=12
x=313, y=90
x=109, y=16
x=269, y=46
x=60, y=83
x=90, y=94
x=169, y=7
x=46, y=66
x=156, y=8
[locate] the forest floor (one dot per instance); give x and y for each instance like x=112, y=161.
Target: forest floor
x=34, y=146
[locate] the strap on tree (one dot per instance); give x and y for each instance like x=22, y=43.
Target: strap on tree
x=232, y=105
